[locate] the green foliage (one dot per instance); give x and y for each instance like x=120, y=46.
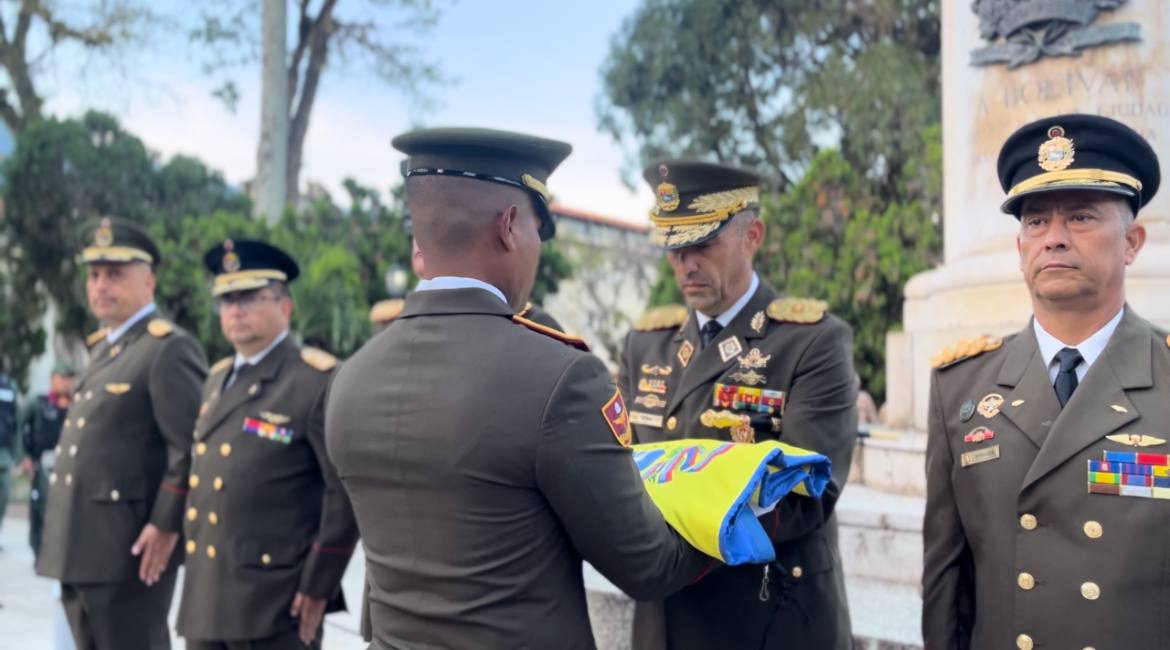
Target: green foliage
x=768, y=84
x=66, y=172
x=554, y=267
x=665, y=290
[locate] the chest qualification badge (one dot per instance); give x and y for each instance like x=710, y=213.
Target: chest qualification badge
x=989, y=405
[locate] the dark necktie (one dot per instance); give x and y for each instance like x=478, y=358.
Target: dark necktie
x=709, y=331
x=1066, y=378
x=235, y=374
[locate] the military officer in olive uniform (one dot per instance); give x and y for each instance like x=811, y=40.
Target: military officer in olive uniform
x=269, y=529
x=1048, y=455
x=741, y=363
x=115, y=502
x=485, y=455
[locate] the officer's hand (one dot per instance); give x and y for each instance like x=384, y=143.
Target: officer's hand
x=27, y=466
x=311, y=611
x=155, y=546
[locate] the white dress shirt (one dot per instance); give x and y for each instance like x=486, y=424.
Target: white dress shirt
x=726, y=317
x=116, y=333
x=458, y=282
x=1090, y=348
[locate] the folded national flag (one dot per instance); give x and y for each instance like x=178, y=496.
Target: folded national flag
x=706, y=490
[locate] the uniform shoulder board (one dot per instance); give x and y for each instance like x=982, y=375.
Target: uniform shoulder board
x=965, y=349
x=1168, y=340
x=661, y=318
x=221, y=365
x=159, y=328
x=797, y=310
x=523, y=313
x=568, y=339
x=318, y=358
x=95, y=337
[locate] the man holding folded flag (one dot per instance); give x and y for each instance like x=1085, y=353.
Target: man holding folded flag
x=740, y=363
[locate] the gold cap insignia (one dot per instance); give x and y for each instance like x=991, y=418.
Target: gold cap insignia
x=231, y=261
x=667, y=193
x=104, y=235
x=1057, y=152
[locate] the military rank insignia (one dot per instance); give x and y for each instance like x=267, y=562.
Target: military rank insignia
x=618, y=419
x=685, y=352
x=1131, y=474
x=267, y=430
x=729, y=348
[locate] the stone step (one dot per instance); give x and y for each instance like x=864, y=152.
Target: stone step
x=881, y=535
x=891, y=460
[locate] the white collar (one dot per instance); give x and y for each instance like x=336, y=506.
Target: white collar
x=726, y=317
x=1090, y=349
x=259, y=356
x=116, y=333
x=459, y=282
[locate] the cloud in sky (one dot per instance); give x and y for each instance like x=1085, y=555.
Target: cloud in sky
x=516, y=64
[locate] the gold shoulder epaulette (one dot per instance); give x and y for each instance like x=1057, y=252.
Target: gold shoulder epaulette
x=569, y=339
x=221, y=365
x=1168, y=340
x=318, y=358
x=661, y=318
x=95, y=337
x=159, y=328
x=965, y=349
x=797, y=310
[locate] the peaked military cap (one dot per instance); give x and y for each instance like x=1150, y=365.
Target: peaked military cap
x=118, y=241
x=1077, y=152
x=244, y=264
x=695, y=200
x=515, y=159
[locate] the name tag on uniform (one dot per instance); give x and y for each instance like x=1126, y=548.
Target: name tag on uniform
x=646, y=419
x=970, y=458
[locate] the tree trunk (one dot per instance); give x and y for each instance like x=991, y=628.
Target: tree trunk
x=272, y=151
x=316, y=41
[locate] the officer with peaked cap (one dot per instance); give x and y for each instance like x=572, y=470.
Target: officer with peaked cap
x=739, y=362
x=115, y=502
x=269, y=529
x=486, y=455
x=1046, y=514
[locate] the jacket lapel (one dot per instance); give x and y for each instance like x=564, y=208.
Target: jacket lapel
x=1100, y=404
x=1031, y=392
x=708, y=363
x=247, y=387
x=104, y=352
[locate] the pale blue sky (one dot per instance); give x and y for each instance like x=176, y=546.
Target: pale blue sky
x=517, y=64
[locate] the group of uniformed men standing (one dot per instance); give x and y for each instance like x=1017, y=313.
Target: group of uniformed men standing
x=483, y=454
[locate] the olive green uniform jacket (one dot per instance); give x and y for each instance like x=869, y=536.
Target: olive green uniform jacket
x=669, y=382
x=1018, y=553
x=266, y=516
x=483, y=470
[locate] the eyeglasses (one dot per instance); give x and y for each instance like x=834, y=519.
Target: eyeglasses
x=245, y=300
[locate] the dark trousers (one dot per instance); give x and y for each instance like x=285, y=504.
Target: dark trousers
x=36, y=509
x=287, y=640
x=124, y=615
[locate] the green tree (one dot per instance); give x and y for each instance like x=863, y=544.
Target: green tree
x=768, y=84
x=554, y=267
x=380, y=35
x=665, y=289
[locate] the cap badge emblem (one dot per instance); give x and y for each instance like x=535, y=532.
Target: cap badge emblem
x=1057, y=152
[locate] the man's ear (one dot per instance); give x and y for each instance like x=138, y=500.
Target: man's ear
x=507, y=225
